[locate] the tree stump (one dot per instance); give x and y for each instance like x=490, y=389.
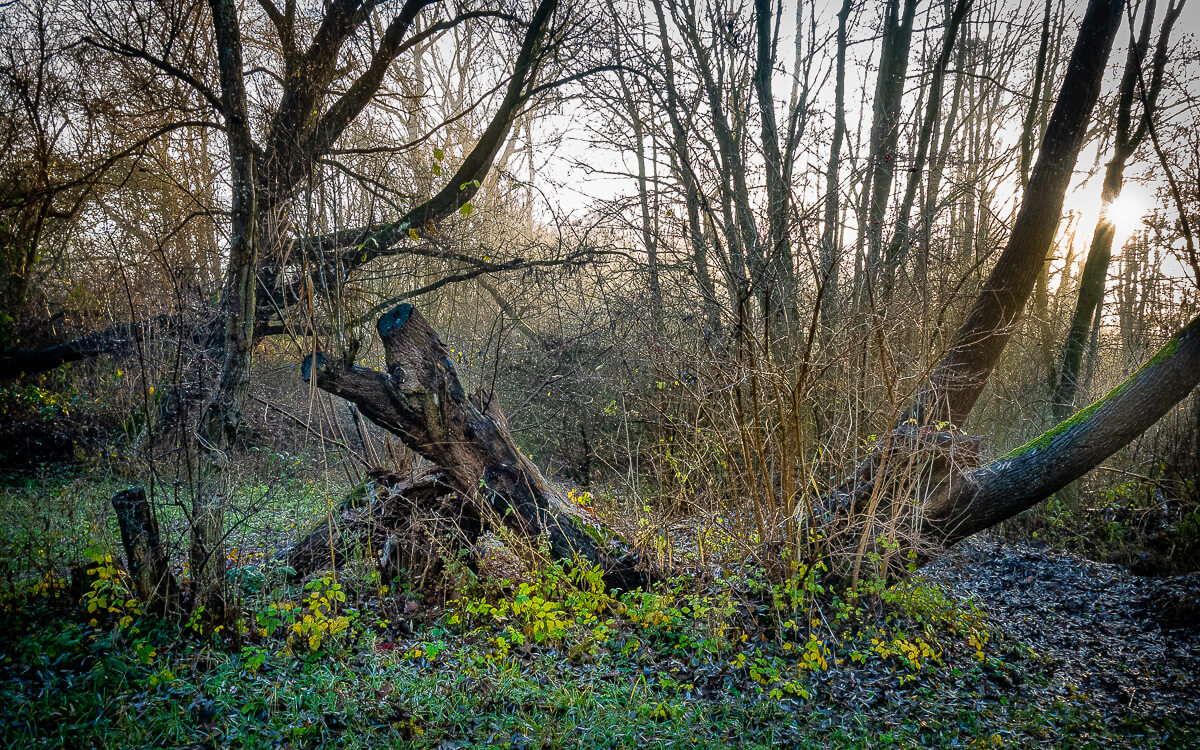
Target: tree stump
x=421, y=400
x=153, y=580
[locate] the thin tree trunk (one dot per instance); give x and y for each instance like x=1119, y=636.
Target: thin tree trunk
x=1029, y=133
x=898, y=248
x=830, y=251
x=781, y=277
x=885, y=126
x=742, y=232
x=937, y=167
x=223, y=416
x=696, y=201
x=1028, y=137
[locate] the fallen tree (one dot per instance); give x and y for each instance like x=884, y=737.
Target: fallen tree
x=420, y=400
x=986, y=496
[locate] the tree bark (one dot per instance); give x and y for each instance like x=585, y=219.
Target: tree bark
x=696, y=201
x=153, y=580
x=1031, y=473
x=885, y=127
x=222, y=417
x=830, y=251
x=1028, y=136
x=781, y=312
x=421, y=400
x=372, y=513
x=118, y=339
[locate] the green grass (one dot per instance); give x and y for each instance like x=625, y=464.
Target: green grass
x=68, y=685
x=550, y=662
x=49, y=521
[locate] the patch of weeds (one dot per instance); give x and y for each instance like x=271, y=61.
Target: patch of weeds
x=1151, y=527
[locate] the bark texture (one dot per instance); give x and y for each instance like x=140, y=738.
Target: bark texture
x=830, y=225
x=885, y=127
x=1031, y=473
x=379, y=516
x=223, y=416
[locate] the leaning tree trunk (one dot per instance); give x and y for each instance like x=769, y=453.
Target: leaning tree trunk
x=986, y=496
x=932, y=481
x=959, y=378
x=421, y=400
x=917, y=462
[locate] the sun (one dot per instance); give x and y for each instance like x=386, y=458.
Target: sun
x=1126, y=213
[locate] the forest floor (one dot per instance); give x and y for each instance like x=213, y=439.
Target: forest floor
x=997, y=644
x=1130, y=643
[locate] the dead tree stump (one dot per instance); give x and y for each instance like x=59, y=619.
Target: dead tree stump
x=153, y=580
x=420, y=400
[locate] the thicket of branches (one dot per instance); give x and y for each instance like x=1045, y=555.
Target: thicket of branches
x=808, y=208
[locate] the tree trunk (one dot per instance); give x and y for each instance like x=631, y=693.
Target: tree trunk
x=830, y=252
x=223, y=416
x=1028, y=137
x=1031, y=473
x=1127, y=139
x=153, y=580
x=421, y=400
x=898, y=247
x=781, y=313
x=959, y=378
x=375, y=512
x=885, y=126
x=687, y=176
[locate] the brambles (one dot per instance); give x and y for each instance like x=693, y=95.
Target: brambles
x=323, y=618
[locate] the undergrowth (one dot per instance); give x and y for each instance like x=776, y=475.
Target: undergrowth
x=551, y=661
x=1150, y=526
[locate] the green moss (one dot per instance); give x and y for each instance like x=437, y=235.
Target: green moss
x=1083, y=415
